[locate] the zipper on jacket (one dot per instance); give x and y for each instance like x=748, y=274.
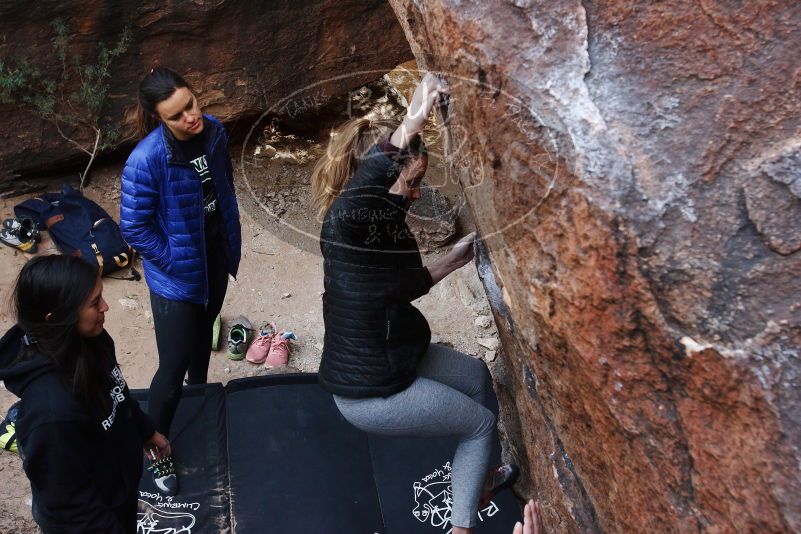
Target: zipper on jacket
x=203, y=246
x=209, y=151
x=388, y=322
x=219, y=204
x=212, y=146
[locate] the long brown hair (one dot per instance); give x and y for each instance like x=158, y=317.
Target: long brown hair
x=48, y=296
x=156, y=87
x=347, y=148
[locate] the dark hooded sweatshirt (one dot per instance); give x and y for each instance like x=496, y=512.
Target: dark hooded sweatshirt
x=84, y=463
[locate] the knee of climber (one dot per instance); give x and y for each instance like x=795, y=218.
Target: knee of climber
x=486, y=426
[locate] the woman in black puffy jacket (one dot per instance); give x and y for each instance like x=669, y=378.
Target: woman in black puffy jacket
x=385, y=375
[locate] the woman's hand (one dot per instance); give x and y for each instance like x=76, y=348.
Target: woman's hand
x=532, y=523
x=157, y=447
x=425, y=96
x=462, y=251
x=459, y=256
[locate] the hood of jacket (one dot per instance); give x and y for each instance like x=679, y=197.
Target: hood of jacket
x=18, y=375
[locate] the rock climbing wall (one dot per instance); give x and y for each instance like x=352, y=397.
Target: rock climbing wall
x=635, y=170
x=241, y=57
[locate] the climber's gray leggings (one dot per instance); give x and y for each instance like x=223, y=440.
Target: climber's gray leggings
x=448, y=398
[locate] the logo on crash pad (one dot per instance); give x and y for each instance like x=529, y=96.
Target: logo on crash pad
x=433, y=498
x=152, y=520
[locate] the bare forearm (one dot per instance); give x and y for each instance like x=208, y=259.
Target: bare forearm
x=459, y=256
x=441, y=268
x=404, y=133
x=425, y=94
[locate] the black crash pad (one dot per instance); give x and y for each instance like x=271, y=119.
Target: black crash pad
x=273, y=455
x=200, y=438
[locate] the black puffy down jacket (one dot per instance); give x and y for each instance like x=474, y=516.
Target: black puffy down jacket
x=374, y=337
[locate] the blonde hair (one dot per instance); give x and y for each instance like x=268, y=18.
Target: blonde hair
x=347, y=148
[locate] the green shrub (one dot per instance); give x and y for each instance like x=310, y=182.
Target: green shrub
x=75, y=99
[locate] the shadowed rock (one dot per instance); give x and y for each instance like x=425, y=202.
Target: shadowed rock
x=242, y=58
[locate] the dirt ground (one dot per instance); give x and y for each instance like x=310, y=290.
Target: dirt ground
x=280, y=280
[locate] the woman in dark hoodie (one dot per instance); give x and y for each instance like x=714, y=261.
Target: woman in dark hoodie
x=80, y=434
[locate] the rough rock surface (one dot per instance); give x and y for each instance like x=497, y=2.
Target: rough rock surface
x=432, y=219
x=635, y=171
x=242, y=58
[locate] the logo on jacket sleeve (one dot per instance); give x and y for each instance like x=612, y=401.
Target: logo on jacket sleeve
x=117, y=394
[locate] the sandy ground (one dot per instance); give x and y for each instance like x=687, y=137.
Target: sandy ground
x=280, y=280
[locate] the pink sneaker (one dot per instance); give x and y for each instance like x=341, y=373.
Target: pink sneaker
x=279, y=350
x=260, y=348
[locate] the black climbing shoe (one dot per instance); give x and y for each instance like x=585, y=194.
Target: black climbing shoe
x=164, y=475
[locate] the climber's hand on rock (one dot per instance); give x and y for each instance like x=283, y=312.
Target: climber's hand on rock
x=462, y=251
x=460, y=254
x=425, y=96
x=531, y=520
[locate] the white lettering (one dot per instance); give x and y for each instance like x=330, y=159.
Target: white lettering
x=117, y=394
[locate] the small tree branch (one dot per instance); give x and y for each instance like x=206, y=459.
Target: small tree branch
x=69, y=140
x=85, y=173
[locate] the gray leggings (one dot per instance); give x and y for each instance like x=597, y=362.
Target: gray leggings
x=448, y=398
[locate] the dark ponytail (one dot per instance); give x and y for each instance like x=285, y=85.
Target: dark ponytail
x=156, y=87
x=48, y=297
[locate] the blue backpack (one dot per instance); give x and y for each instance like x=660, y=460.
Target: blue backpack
x=79, y=227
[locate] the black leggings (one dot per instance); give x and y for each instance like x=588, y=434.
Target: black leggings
x=183, y=337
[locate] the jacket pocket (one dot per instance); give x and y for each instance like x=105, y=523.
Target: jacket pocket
x=166, y=264
x=164, y=260
x=407, y=336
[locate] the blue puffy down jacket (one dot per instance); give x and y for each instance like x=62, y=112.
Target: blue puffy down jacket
x=161, y=215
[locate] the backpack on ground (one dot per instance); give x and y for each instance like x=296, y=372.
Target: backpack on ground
x=79, y=227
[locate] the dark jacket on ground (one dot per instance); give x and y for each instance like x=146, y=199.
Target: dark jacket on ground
x=83, y=463
x=374, y=337
x=161, y=212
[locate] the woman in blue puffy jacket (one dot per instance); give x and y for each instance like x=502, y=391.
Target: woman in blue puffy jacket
x=179, y=212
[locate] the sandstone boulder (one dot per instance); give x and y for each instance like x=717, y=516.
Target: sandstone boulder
x=633, y=169
x=242, y=58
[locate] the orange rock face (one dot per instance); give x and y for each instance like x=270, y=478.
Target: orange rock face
x=241, y=57
x=635, y=170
